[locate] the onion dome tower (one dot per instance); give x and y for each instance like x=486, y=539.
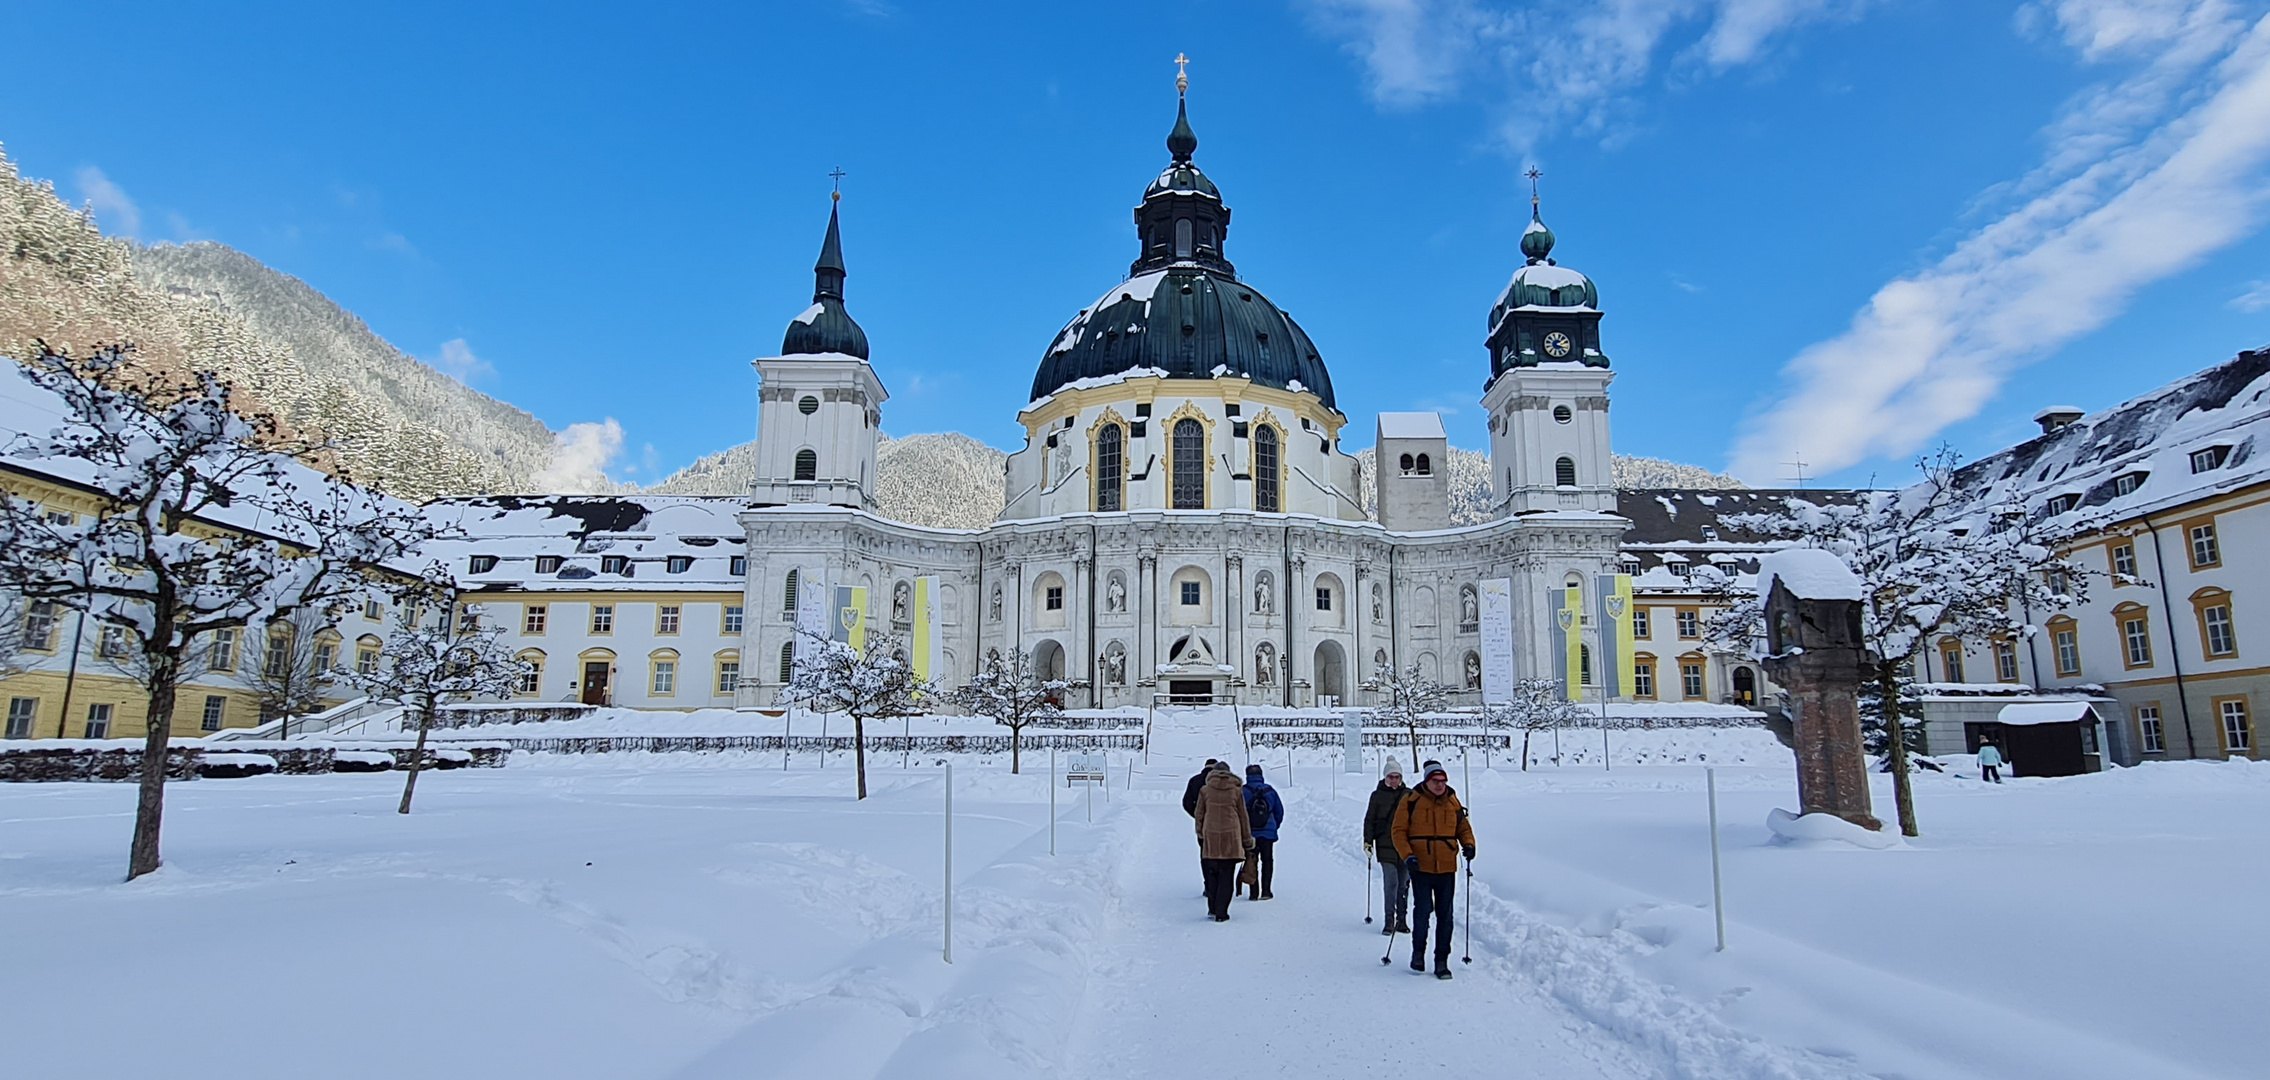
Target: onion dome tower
x=819, y=404
x=826, y=327
x=1183, y=310
x=1548, y=313
x=1547, y=395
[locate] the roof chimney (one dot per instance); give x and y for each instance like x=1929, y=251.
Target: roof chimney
x=2056, y=417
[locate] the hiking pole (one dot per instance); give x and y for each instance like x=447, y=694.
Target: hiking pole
x=1388, y=956
x=1367, y=888
x=1469, y=957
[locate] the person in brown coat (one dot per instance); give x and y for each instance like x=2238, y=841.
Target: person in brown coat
x=1225, y=837
x=1431, y=831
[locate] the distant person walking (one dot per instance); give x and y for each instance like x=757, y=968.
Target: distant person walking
x=1989, y=762
x=1379, y=842
x=1225, y=836
x=1190, y=790
x=1264, y=811
x=1430, y=832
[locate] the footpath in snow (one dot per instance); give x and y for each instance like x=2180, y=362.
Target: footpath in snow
x=716, y=915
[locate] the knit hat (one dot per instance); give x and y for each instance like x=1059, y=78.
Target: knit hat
x=1394, y=768
x=1428, y=771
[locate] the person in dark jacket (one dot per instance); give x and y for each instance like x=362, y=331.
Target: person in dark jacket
x=1264, y=811
x=1431, y=831
x=1225, y=838
x=1190, y=790
x=1379, y=842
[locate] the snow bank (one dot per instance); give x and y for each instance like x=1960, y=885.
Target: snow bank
x=1826, y=829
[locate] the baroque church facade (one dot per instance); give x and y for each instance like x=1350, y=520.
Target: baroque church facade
x=1184, y=520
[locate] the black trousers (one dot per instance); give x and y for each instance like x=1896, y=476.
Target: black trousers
x=1432, y=894
x=1221, y=884
x=1266, y=852
x=1990, y=772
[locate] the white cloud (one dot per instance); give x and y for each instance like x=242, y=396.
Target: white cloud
x=458, y=362
x=2255, y=298
x=2143, y=178
x=109, y=202
x=580, y=456
x=1556, y=63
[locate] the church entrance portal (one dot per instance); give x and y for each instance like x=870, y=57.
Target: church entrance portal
x=1190, y=691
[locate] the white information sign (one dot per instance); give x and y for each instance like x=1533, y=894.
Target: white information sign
x=1497, y=640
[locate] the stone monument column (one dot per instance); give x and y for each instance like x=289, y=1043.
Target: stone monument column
x=1818, y=653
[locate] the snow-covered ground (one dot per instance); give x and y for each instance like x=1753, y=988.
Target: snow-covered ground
x=712, y=915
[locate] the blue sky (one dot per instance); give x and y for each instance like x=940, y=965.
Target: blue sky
x=1845, y=229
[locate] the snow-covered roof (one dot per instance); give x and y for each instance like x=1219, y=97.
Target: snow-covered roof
x=1411, y=425
x=1809, y=574
x=584, y=531
x=2045, y=712
x=2188, y=440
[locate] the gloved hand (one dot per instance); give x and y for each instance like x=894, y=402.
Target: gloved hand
x=1410, y=864
x=1469, y=849
x=1367, y=847
x=1250, y=848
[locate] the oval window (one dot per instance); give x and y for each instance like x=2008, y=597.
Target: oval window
x=808, y=405
x=1562, y=415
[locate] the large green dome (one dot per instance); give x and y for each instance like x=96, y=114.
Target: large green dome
x=1183, y=313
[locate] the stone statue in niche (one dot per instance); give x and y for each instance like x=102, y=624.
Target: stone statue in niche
x=1115, y=665
x=1264, y=595
x=1469, y=613
x=902, y=603
x=1378, y=605
x=1115, y=594
x=994, y=609
x=1473, y=672
x=1265, y=666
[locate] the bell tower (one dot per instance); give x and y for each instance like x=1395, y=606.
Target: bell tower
x=819, y=404
x=1547, y=396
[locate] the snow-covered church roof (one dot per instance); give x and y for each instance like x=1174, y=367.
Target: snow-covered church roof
x=666, y=542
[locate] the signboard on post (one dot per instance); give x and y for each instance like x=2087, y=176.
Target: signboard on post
x=812, y=595
x=1352, y=740
x=1497, y=640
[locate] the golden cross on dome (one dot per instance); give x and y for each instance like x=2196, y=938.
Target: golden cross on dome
x=1181, y=73
x=1533, y=174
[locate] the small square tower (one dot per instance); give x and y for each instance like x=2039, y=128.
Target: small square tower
x=1412, y=473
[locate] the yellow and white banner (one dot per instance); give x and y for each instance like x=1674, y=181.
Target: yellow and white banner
x=1614, y=620
x=849, y=624
x=926, y=652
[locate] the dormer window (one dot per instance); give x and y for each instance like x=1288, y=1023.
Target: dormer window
x=2061, y=504
x=614, y=564
x=2127, y=483
x=547, y=564
x=482, y=564
x=2210, y=458
x=1710, y=532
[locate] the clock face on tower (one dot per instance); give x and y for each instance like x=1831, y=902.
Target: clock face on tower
x=1557, y=344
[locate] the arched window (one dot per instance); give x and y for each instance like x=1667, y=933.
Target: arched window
x=1406, y=463
x=807, y=465
x=1265, y=470
x=1189, y=464
x=1425, y=467
x=788, y=595
x=787, y=662
x=1182, y=238
x=1111, y=466
x=1564, y=472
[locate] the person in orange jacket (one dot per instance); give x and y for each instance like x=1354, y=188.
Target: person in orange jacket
x=1431, y=832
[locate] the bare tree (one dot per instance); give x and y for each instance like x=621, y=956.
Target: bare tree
x=285, y=665
x=1011, y=692
x=12, y=641
x=831, y=676
x=1537, y=705
x=1937, y=559
x=450, y=658
x=206, y=520
x=1405, y=696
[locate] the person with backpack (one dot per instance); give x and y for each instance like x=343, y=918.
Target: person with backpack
x=1379, y=843
x=1225, y=836
x=1264, y=811
x=1431, y=831
x=1989, y=762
